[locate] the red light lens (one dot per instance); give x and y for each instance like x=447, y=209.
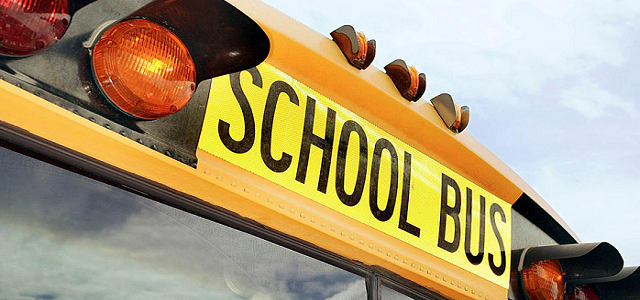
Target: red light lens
x=584, y=292
x=30, y=26
x=544, y=280
x=144, y=69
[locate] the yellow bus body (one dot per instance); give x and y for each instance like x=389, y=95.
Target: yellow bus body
x=308, y=57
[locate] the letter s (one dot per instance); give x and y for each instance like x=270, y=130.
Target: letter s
x=498, y=270
x=249, y=137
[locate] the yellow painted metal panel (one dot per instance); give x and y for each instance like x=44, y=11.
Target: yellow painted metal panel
x=230, y=187
x=268, y=123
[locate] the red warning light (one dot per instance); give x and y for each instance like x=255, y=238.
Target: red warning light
x=30, y=26
x=583, y=292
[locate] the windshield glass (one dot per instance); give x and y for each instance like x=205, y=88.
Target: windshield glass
x=65, y=236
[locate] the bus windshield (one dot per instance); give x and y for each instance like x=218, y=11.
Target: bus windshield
x=66, y=236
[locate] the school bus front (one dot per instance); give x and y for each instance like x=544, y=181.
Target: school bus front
x=213, y=149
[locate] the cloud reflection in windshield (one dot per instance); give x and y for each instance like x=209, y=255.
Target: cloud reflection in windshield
x=65, y=236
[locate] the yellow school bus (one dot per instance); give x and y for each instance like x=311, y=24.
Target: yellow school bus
x=211, y=149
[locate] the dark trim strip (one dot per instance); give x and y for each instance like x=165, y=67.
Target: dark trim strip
x=539, y=217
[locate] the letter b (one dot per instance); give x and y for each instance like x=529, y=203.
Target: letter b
x=452, y=212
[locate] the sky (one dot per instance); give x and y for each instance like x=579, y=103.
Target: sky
x=553, y=88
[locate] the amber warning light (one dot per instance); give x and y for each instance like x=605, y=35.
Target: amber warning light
x=144, y=69
x=543, y=280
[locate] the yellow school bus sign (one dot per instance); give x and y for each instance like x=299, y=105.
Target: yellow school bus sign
x=270, y=124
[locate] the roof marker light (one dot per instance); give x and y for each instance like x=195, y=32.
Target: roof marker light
x=406, y=79
x=455, y=117
x=355, y=47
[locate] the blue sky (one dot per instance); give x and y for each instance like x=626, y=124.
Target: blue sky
x=553, y=87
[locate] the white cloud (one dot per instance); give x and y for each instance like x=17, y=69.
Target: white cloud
x=553, y=87
x=483, y=51
x=592, y=101
x=597, y=201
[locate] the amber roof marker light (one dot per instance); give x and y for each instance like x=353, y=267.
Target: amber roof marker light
x=455, y=117
x=143, y=68
x=407, y=80
x=355, y=47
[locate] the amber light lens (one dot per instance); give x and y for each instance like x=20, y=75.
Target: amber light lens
x=29, y=26
x=144, y=69
x=584, y=292
x=415, y=81
x=544, y=280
